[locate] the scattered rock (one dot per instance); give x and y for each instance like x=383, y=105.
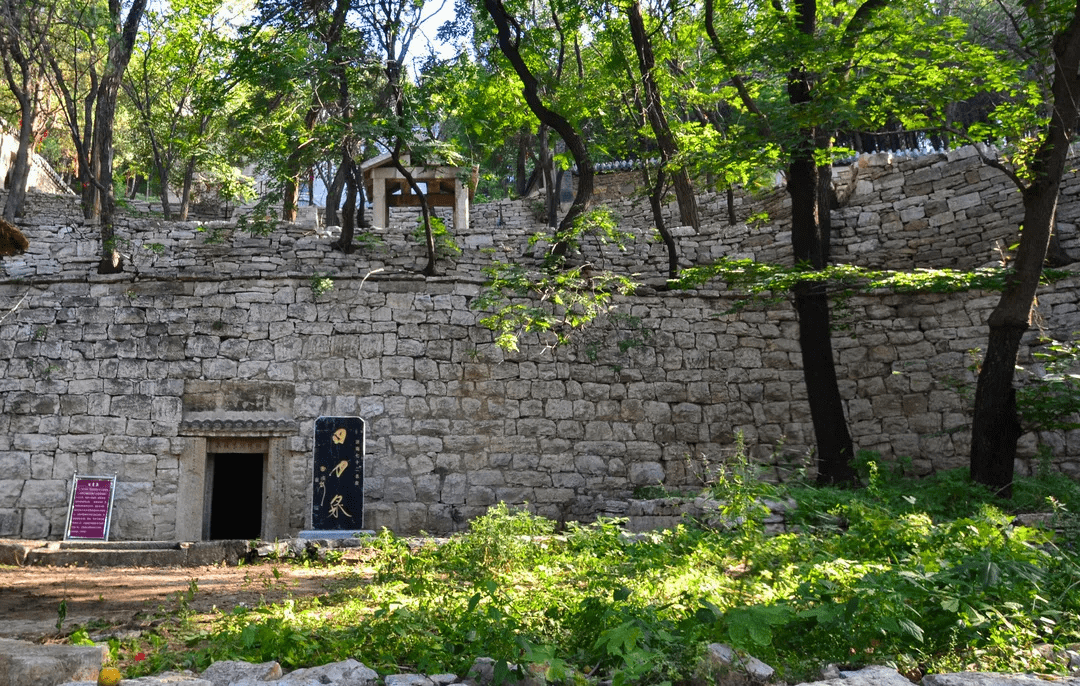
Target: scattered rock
x=347, y=673
x=830, y=671
x=47, y=665
x=235, y=672
x=184, y=678
x=482, y=673
x=728, y=667
x=867, y=676
x=990, y=679
x=163, y=679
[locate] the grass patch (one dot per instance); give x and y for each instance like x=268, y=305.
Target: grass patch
x=926, y=575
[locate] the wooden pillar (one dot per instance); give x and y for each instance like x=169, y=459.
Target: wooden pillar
x=381, y=210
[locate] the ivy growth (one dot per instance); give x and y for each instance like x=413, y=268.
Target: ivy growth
x=320, y=284
x=551, y=303
x=445, y=246
x=767, y=282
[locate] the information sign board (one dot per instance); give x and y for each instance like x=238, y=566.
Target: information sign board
x=90, y=508
x=337, y=501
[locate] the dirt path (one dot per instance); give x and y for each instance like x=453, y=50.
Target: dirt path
x=131, y=597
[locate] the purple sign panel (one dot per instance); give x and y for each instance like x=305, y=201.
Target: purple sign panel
x=91, y=505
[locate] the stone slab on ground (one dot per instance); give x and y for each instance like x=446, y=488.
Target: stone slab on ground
x=353, y=673
x=347, y=673
x=991, y=679
x=231, y=672
x=886, y=676
x=163, y=679
x=122, y=553
x=23, y=663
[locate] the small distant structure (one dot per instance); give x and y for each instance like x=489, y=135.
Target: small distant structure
x=446, y=187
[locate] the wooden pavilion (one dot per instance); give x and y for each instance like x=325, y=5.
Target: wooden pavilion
x=446, y=187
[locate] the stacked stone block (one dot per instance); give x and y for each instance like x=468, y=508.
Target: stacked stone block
x=99, y=374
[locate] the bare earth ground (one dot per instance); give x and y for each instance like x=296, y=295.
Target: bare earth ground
x=130, y=598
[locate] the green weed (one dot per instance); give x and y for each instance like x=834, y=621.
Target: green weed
x=932, y=573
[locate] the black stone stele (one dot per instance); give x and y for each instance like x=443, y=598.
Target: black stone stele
x=337, y=501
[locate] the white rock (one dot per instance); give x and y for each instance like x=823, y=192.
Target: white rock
x=233, y=672
x=989, y=679
x=724, y=655
x=347, y=673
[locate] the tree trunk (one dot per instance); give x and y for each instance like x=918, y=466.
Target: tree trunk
x=995, y=428
x=656, y=200
x=731, y=218
x=20, y=170
x=361, y=220
x=346, y=171
x=1055, y=254
x=163, y=187
x=809, y=240
x=102, y=155
x=654, y=110
x=290, y=197
x=508, y=45
x=88, y=193
x=185, y=194
x=429, y=236
x=333, y=196
x=520, y=179
x=551, y=207
x=101, y=150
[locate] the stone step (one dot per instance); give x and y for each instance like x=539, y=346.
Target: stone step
x=123, y=553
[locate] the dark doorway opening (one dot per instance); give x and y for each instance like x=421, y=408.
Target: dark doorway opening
x=236, y=495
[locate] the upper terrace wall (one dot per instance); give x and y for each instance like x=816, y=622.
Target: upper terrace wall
x=202, y=346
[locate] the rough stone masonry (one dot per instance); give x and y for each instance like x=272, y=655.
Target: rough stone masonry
x=210, y=358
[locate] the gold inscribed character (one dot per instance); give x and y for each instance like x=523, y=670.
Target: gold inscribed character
x=336, y=507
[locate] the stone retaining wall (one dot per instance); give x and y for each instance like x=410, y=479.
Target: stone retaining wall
x=213, y=342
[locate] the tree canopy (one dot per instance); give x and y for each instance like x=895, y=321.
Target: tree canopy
x=709, y=94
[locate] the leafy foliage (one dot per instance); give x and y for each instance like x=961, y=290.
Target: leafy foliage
x=766, y=282
x=905, y=572
x=1049, y=395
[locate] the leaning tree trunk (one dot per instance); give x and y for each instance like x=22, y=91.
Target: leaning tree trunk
x=509, y=46
x=102, y=155
x=346, y=171
x=101, y=151
x=656, y=204
x=333, y=196
x=20, y=171
x=429, y=236
x=995, y=427
x=654, y=110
